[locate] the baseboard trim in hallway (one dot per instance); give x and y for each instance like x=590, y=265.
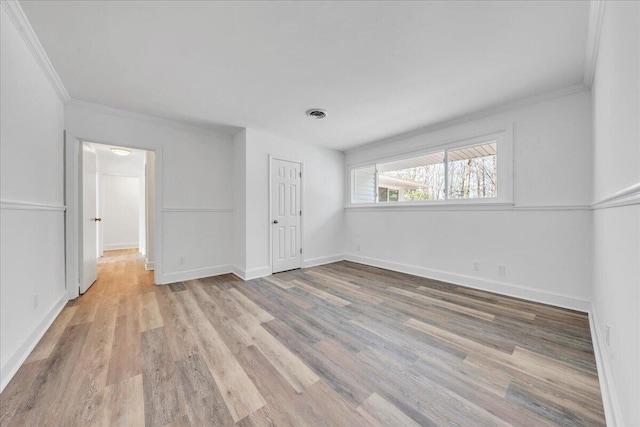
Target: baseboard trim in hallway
x=13, y=363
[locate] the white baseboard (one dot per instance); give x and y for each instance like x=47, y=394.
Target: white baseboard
x=197, y=273
x=312, y=262
x=502, y=288
x=253, y=273
x=116, y=246
x=609, y=400
x=149, y=266
x=16, y=360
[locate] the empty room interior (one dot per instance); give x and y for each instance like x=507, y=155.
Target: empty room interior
x=357, y=213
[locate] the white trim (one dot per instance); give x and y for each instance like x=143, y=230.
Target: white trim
x=313, y=262
x=15, y=361
x=452, y=206
x=625, y=197
x=552, y=208
x=251, y=274
x=19, y=19
x=197, y=273
x=594, y=29
x=149, y=266
x=612, y=413
x=30, y=206
x=126, y=114
x=117, y=246
x=194, y=209
x=508, y=289
x=547, y=96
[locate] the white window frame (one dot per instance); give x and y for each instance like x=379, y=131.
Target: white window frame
x=504, y=140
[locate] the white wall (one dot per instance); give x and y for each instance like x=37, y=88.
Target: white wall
x=31, y=193
x=616, y=283
x=195, y=207
x=121, y=200
x=120, y=213
x=323, y=195
x=544, y=241
x=240, y=202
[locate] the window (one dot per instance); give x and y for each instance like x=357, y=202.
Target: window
x=466, y=170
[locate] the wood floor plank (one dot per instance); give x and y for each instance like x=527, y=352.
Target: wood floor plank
x=126, y=358
x=148, y=311
x=181, y=341
x=124, y=403
x=47, y=343
x=332, y=299
x=380, y=412
x=444, y=304
x=239, y=393
x=297, y=374
x=204, y=403
x=250, y=307
x=163, y=404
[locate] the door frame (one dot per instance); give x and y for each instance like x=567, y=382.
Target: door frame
x=270, y=213
x=73, y=188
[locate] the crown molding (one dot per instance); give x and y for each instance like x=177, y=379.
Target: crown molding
x=624, y=197
x=126, y=114
x=19, y=19
x=501, y=108
x=596, y=14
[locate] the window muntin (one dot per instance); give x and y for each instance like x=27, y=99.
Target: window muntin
x=457, y=173
x=473, y=172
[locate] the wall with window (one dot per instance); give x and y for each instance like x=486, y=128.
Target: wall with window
x=533, y=240
x=616, y=279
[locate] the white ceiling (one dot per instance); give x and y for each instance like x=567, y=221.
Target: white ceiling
x=378, y=68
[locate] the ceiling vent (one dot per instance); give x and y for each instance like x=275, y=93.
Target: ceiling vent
x=316, y=113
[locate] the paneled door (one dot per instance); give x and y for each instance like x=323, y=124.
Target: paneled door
x=286, y=252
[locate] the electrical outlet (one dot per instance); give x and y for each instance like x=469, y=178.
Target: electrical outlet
x=502, y=270
x=182, y=261
x=476, y=266
x=35, y=301
x=607, y=334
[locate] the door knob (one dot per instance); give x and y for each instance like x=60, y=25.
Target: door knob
x=275, y=221
x=97, y=219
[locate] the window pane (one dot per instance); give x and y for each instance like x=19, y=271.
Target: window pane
x=393, y=195
x=382, y=194
x=364, y=185
x=414, y=179
x=473, y=172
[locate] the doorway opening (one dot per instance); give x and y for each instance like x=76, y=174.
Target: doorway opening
x=117, y=188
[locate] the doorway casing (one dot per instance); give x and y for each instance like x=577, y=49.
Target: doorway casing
x=73, y=201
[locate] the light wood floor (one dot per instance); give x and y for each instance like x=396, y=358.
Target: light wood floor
x=342, y=344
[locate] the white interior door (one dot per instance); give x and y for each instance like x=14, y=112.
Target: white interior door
x=89, y=220
x=285, y=215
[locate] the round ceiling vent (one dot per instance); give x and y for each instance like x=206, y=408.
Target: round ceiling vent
x=316, y=113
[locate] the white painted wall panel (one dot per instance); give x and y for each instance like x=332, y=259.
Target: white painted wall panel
x=31, y=168
x=120, y=213
x=616, y=284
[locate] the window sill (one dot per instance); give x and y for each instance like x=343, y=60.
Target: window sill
x=461, y=206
